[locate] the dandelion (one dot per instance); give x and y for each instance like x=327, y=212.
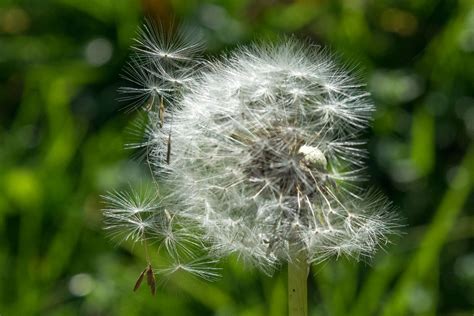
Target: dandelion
x=266, y=161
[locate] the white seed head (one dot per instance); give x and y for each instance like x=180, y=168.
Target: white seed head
x=261, y=155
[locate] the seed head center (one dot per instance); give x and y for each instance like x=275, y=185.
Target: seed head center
x=313, y=158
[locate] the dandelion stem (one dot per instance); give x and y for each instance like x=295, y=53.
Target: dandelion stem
x=297, y=286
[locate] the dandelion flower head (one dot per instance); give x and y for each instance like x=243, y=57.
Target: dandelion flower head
x=260, y=150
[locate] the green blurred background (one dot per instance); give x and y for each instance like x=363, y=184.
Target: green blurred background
x=62, y=135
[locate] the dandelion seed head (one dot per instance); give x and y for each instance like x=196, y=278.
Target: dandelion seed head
x=261, y=154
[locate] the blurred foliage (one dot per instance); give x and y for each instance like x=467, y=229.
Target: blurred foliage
x=62, y=136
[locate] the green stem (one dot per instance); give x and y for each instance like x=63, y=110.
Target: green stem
x=298, y=286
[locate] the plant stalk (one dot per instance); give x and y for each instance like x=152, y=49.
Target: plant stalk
x=298, y=286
